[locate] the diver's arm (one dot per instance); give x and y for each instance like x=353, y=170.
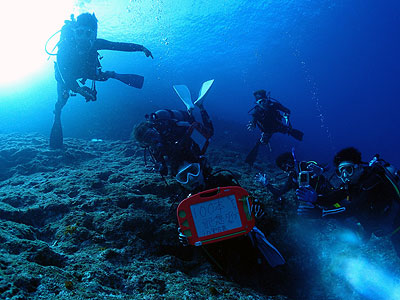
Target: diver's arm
x=336, y=205
x=161, y=164
x=207, y=128
x=278, y=191
x=330, y=198
x=102, y=44
x=280, y=107
x=88, y=93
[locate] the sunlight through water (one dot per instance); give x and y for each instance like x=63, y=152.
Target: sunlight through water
x=26, y=26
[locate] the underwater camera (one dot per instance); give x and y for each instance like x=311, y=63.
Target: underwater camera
x=304, y=178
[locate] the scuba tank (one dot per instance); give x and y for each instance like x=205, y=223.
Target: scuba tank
x=390, y=172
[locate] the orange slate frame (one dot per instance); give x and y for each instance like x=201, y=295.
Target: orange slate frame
x=195, y=211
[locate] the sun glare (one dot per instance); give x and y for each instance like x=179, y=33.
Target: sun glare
x=25, y=27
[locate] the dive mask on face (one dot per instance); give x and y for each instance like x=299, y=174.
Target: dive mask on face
x=345, y=170
x=189, y=173
x=84, y=33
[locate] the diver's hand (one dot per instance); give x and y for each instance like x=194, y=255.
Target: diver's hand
x=309, y=210
x=160, y=168
x=261, y=178
x=257, y=209
x=306, y=194
x=315, y=170
x=250, y=126
x=182, y=238
x=89, y=94
x=147, y=52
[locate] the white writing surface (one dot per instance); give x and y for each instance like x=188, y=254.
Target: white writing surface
x=216, y=216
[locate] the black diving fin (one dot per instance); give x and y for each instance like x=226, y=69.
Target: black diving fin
x=269, y=252
x=56, y=135
x=251, y=157
x=297, y=134
x=132, y=80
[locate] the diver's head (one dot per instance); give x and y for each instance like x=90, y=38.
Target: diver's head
x=146, y=134
x=260, y=94
x=190, y=175
x=262, y=98
x=285, y=162
x=348, y=165
x=85, y=30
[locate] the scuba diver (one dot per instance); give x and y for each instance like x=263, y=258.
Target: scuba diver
x=303, y=173
x=248, y=259
x=174, y=136
x=77, y=58
x=270, y=116
x=369, y=193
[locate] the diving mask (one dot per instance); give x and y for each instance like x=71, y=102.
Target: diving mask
x=345, y=170
x=188, y=173
x=84, y=32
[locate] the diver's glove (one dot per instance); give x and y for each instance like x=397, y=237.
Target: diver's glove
x=306, y=194
x=257, y=209
x=261, y=178
x=315, y=170
x=182, y=238
x=250, y=126
x=147, y=52
x=309, y=210
x=88, y=93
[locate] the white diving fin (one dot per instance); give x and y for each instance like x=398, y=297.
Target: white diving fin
x=184, y=93
x=203, y=92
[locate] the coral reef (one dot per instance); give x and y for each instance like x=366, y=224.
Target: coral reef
x=92, y=222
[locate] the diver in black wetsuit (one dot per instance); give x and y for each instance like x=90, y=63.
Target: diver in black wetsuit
x=296, y=171
x=271, y=117
x=77, y=58
x=369, y=193
x=167, y=136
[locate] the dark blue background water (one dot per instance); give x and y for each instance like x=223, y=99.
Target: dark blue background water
x=335, y=64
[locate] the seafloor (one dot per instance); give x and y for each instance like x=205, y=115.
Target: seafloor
x=91, y=222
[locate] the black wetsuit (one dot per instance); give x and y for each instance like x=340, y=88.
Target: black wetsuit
x=319, y=183
x=269, y=119
x=73, y=64
x=372, y=201
x=176, y=145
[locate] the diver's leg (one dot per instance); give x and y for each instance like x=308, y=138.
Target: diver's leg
x=265, y=137
x=132, y=80
x=297, y=134
x=207, y=128
x=56, y=135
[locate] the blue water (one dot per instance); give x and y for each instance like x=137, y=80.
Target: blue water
x=333, y=63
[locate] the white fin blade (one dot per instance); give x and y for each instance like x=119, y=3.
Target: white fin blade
x=184, y=93
x=203, y=92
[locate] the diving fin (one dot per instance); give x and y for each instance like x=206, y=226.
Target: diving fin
x=297, y=134
x=203, y=92
x=270, y=253
x=56, y=135
x=132, y=80
x=251, y=157
x=184, y=93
